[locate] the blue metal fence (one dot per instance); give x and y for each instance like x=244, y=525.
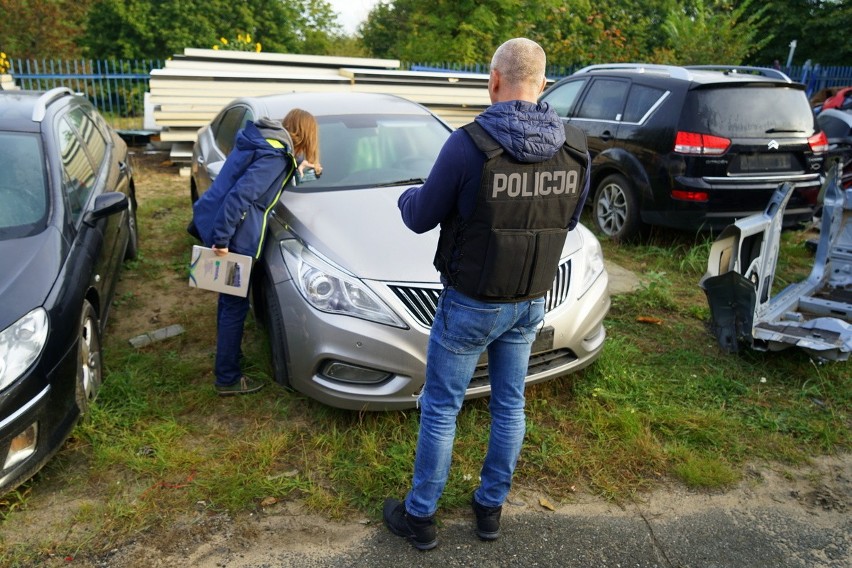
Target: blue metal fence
x=116, y=87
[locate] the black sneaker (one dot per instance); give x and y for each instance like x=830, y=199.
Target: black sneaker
x=487, y=520
x=420, y=531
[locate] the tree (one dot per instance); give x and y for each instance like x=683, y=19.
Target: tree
x=144, y=29
x=572, y=32
x=709, y=32
x=462, y=31
x=38, y=29
x=819, y=27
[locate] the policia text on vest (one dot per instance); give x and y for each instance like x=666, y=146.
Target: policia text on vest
x=534, y=184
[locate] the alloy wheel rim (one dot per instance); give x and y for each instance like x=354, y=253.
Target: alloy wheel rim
x=612, y=209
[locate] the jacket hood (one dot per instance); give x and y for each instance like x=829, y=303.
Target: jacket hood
x=254, y=135
x=529, y=132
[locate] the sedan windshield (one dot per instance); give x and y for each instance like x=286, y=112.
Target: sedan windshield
x=23, y=191
x=359, y=151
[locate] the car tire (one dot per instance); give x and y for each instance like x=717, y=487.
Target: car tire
x=274, y=321
x=616, y=209
x=132, y=249
x=89, y=359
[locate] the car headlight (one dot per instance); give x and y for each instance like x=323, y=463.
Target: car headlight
x=594, y=262
x=330, y=289
x=20, y=345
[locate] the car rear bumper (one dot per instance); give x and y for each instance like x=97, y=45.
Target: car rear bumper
x=729, y=199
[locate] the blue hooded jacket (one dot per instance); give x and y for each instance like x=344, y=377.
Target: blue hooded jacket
x=232, y=213
x=529, y=132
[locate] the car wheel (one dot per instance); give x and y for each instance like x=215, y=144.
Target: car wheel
x=89, y=362
x=132, y=249
x=277, y=336
x=616, y=210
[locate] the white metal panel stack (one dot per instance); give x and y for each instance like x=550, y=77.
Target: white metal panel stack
x=188, y=92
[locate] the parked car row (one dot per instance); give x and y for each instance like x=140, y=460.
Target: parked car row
x=67, y=221
x=347, y=293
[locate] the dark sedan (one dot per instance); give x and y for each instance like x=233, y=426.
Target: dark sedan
x=67, y=222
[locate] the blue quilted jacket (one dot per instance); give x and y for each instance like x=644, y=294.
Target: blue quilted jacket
x=233, y=211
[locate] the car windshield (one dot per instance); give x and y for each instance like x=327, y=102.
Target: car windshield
x=749, y=112
x=23, y=191
x=359, y=151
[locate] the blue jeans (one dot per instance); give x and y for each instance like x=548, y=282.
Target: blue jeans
x=462, y=330
x=230, y=319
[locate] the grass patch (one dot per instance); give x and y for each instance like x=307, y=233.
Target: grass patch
x=662, y=402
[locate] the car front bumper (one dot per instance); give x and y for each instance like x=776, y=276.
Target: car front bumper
x=572, y=338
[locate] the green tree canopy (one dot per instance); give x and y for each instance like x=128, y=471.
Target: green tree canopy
x=36, y=29
x=572, y=32
x=820, y=29
x=712, y=32
x=144, y=29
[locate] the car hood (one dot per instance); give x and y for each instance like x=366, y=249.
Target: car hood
x=362, y=231
x=30, y=266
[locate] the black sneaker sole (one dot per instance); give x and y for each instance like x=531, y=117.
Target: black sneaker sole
x=488, y=535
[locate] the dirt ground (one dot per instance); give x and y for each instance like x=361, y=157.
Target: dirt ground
x=286, y=534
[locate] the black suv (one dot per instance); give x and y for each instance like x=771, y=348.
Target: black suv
x=691, y=147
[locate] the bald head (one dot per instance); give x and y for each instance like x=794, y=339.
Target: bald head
x=517, y=71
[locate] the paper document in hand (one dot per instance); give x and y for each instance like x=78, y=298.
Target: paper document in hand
x=228, y=274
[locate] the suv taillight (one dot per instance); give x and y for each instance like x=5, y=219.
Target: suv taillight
x=700, y=144
x=818, y=143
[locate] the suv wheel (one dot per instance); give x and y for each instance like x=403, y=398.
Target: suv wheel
x=616, y=209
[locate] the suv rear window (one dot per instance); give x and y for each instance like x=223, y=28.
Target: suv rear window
x=748, y=112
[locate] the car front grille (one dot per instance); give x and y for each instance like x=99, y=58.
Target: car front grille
x=421, y=303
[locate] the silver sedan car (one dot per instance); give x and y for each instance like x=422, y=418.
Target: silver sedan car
x=346, y=291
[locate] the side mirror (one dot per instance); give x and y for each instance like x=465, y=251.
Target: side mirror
x=213, y=169
x=106, y=204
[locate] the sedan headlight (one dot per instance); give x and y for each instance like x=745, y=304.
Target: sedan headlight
x=20, y=345
x=594, y=263
x=329, y=289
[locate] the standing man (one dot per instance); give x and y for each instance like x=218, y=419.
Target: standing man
x=505, y=189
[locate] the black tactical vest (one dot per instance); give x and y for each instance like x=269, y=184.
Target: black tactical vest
x=510, y=247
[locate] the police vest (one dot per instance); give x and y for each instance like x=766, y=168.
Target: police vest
x=509, y=249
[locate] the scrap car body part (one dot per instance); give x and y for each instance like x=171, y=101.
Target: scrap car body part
x=814, y=314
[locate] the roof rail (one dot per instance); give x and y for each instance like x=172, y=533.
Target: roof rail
x=40, y=108
x=744, y=69
x=672, y=70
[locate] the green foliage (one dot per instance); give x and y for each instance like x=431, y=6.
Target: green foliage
x=138, y=28
x=712, y=31
x=819, y=27
x=576, y=32
x=43, y=28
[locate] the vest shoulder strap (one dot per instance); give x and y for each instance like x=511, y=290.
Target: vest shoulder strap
x=483, y=140
x=575, y=138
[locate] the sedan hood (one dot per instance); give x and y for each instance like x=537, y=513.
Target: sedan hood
x=362, y=231
x=30, y=266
